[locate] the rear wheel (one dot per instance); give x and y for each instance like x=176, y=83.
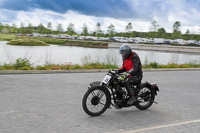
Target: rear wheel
x=96, y=100
x=145, y=99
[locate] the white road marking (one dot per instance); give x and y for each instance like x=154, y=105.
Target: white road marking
x=9, y=112
x=161, y=126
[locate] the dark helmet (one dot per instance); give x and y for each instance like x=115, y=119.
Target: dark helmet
x=125, y=50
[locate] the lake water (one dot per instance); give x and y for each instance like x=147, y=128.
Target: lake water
x=54, y=54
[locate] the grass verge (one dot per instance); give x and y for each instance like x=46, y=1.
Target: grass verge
x=155, y=65
x=24, y=64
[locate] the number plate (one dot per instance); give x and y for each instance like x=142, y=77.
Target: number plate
x=106, y=79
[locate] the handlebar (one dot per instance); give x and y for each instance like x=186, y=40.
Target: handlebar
x=114, y=73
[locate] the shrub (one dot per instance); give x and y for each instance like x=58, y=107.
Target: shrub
x=76, y=66
x=183, y=66
x=20, y=63
x=7, y=66
x=87, y=67
x=66, y=67
x=172, y=66
x=41, y=68
x=154, y=65
x=25, y=68
x=56, y=67
x=96, y=65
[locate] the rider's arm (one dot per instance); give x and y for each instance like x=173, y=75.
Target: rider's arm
x=136, y=64
x=122, y=69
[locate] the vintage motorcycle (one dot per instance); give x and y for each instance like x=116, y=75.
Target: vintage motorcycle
x=110, y=92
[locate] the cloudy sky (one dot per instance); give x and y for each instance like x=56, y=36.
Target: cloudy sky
x=118, y=12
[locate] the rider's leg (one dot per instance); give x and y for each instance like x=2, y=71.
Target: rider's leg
x=131, y=81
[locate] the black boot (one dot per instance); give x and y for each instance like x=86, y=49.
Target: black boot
x=131, y=96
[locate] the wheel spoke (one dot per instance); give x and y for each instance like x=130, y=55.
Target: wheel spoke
x=100, y=94
x=96, y=101
x=142, y=98
x=101, y=103
x=96, y=108
x=93, y=93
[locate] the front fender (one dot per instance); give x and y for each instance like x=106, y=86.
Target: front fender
x=95, y=83
x=99, y=86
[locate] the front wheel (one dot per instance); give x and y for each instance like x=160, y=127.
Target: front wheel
x=96, y=100
x=145, y=98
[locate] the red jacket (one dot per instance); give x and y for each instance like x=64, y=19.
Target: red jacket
x=132, y=65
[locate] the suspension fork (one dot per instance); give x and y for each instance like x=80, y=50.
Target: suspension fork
x=110, y=95
x=113, y=95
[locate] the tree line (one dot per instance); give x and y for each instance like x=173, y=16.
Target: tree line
x=155, y=31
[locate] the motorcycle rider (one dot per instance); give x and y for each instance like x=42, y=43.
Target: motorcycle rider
x=132, y=68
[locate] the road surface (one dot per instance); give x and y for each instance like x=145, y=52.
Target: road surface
x=51, y=103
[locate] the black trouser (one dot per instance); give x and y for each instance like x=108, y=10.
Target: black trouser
x=131, y=81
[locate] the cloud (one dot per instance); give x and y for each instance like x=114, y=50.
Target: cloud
x=185, y=11
x=37, y=16
x=118, y=12
x=101, y=8
x=7, y=15
x=143, y=9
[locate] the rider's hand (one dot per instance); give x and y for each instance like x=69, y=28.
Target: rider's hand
x=113, y=70
x=124, y=76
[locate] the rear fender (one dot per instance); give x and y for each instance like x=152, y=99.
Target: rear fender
x=151, y=86
x=155, y=87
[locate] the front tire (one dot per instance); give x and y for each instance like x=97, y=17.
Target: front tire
x=146, y=98
x=96, y=101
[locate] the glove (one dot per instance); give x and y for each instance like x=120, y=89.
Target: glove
x=124, y=76
x=113, y=70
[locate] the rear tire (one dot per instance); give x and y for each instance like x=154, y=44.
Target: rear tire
x=145, y=101
x=96, y=101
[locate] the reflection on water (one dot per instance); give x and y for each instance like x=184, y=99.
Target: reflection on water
x=54, y=54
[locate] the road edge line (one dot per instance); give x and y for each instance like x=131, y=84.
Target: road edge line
x=162, y=126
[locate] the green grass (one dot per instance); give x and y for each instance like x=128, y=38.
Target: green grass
x=70, y=42
x=24, y=64
x=51, y=40
x=11, y=37
x=7, y=37
x=155, y=65
x=20, y=64
x=87, y=42
x=27, y=42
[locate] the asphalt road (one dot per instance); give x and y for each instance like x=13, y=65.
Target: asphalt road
x=51, y=103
